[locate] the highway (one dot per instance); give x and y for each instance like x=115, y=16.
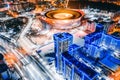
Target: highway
x=23, y=41
x=30, y=67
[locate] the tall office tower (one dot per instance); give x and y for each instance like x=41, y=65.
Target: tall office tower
x=61, y=44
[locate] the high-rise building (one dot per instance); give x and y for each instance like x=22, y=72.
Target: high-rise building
x=84, y=62
x=61, y=44
x=76, y=70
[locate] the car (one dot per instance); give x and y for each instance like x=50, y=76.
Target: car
x=38, y=51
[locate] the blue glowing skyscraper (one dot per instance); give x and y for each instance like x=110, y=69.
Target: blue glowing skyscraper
x=61, y=44
x=76, y=70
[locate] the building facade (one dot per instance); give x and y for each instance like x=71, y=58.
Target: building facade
x=98, y=59
x=61, y=44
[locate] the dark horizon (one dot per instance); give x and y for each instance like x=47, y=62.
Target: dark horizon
x=100, y=5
